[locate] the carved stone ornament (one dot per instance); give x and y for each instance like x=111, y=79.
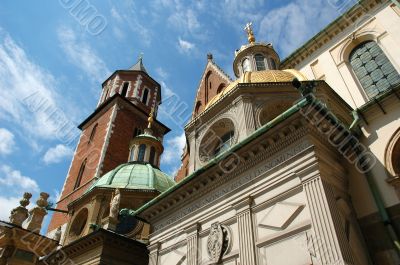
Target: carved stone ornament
x=218, y=242
x=114, y=205
x=19, y=214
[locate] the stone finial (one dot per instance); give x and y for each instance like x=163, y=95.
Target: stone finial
x=209, y=56
x=114, y=205
x=37, y=214
x=57, y=234
x=19, y=214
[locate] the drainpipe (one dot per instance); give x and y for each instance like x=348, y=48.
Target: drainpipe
x=375, y=191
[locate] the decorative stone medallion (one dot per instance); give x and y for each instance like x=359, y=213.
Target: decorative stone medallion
x=218, y=242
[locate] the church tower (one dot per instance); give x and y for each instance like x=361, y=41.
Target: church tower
x=107, y=139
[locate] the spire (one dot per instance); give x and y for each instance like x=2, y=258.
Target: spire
x=250, y=35
x=139, y=65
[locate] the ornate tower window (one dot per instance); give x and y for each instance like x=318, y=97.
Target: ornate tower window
x=373, y=69
x=260, y=62
x=152, y=155
x=80, y=174
x=145, y=96
x=93, y=133
x=125, y=89
x=273, y=64
x=142, y=151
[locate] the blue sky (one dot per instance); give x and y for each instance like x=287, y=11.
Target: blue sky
x=52, y=64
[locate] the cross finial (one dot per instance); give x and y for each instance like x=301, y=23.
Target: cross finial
x=249, y=29
x=141, y=55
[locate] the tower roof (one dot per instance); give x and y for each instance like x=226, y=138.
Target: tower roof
x=138, y=66
x=135, y=176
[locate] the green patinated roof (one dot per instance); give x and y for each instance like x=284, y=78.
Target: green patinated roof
x=135, y=175
x=144, y=135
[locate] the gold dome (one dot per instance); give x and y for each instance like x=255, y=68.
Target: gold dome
x=267, y=76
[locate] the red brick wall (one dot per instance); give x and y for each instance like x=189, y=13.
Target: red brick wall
x=183, y=170
x=91, y=151
x=208, y=88
x=127, y=118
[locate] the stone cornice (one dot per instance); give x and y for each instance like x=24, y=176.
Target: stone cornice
x=329, y=32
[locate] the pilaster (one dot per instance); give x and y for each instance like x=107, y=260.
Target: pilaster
x=192, y=244
x=247, y=122
x=246, y=233
x=153, y=253
x=329, y=242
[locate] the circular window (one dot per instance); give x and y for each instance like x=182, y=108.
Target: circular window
x=79, y=223
x=271, y=110
x=219, y=138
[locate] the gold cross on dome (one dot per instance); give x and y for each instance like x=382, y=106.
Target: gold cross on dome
x=249, y=29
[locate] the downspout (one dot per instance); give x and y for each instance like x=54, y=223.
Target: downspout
x=387, y=222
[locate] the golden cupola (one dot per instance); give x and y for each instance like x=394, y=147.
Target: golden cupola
x=254, y=56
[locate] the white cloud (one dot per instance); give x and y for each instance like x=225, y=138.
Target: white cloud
x=57, y=154
x=162, y=73
x=6, y=205
x=13, y=180
x=127, y=15
x=173, y=150
x=29, y=98
x=297, y=21
x=82, y=55
x=7, y=142
x=185, y=46
x=12, y=186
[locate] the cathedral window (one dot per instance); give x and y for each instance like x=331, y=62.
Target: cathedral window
x=246, y=65
x=224, y=143
x=137, y=132
x=80, y=174
x=198, y=107
x=93, y=133
x=145, y=96
x=220, y=88
x=152, y=155
x=125, y=89
x=219, y=138
x=373, y=69
x=260, y=62
x=142, y=151
x=79, y=224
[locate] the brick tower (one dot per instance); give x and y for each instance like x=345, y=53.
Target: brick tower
x=127, y=98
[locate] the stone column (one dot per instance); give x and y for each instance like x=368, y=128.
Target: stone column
x=246, y=115
x=153, y=255
x=328, y=244
x=192, y=244
x=246, y=234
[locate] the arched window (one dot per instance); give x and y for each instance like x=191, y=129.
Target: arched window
x=125, y=89
x=137, y=132
x=224, y=143
x=246, y=65
x=142, y=150
x=132, y=154
x=78, y=224
x=220, y=88
x=145, y=96
x=260, y=62
x=273, y=64
x=80, y=174
x=373, y=69
x=198, y=106
x=92, y=134
x=152, y=155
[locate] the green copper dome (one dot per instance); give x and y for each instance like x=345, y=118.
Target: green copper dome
x=135, y=176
